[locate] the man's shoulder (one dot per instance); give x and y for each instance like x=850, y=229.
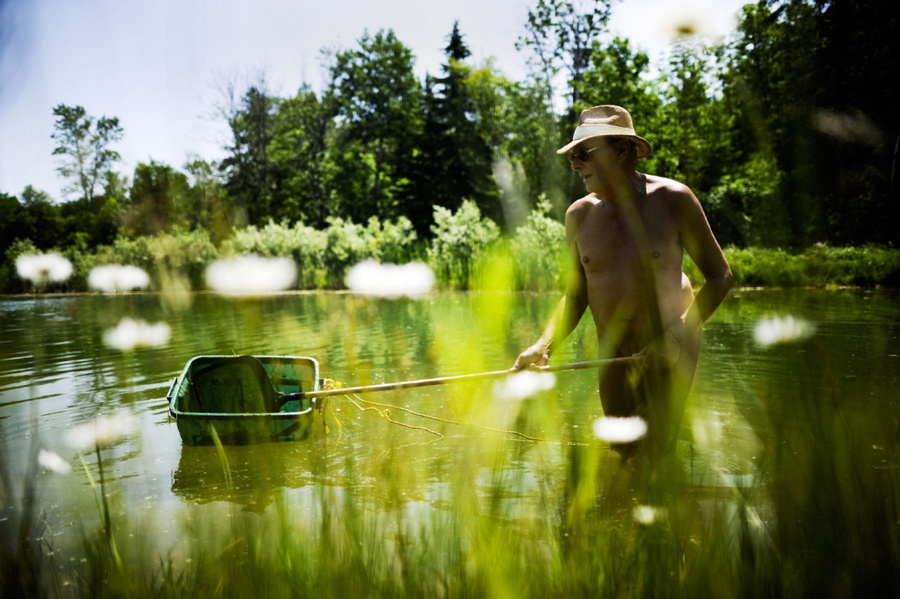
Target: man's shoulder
x=577, y=209
x=673, y=194
x=669, y=187
x=580, y=205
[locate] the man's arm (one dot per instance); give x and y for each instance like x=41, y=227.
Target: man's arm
x=701, y=245
x=699, y=242
x=571, y=306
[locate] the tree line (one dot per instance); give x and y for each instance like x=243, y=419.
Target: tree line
x=787, y=132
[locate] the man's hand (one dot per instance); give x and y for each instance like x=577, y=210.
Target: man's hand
x=665, y=349
x=536, y=355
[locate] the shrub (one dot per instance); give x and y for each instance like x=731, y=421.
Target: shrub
x=539, y=248
x=395, y=243
x=323, y=256
x=9, y=278
x=459, y=241
x=304, y=244
x=818, y=266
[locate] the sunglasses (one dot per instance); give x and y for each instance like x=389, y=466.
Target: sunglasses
x=581, y=154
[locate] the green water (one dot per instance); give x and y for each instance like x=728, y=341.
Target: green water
x=56, y=373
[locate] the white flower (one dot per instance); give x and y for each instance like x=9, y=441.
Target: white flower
x=523, y=384
x=412, y=280
x=613, y=429
x=130, y=334
x=114, y=277
x=251, y=275
x=783, y=329
x=105, y=430
x=41, y=268
x=703, y=19
x=852, y=128
x=648, y=514
x=53, y=462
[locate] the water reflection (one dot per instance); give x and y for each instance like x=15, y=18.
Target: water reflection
x=247, y=475
x=55, y=373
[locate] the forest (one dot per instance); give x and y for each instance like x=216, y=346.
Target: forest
x=787, y=132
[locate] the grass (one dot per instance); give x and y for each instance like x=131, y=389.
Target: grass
x=818, y=266
x=819, y=518
x=817, y=515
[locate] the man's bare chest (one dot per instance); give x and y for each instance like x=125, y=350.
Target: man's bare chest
x=608, y=240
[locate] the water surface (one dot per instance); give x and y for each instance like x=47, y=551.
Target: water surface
x=56, y=374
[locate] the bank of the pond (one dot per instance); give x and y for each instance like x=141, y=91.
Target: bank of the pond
x=818, y=266
x=466, y=252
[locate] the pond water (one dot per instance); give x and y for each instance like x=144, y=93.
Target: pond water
x=56, y=374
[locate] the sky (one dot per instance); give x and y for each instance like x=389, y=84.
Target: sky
x=160, y=65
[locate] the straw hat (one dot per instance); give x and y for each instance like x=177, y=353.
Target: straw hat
x=606, y=121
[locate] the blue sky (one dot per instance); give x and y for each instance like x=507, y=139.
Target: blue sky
x=159, y=65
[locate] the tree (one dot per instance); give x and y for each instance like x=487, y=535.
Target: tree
x=378, y=100
x=83, y=143
x=857, y=122
x=772, y=90
x=426, y=171
x=11, y=217
x=42, y=222
x=452, y=161
x=689, y=109
x=561, y=36
x=205, y=205
x=619, y=74
x=249, y=173
x=297, y=152
x=518, y=121
x=156, y=191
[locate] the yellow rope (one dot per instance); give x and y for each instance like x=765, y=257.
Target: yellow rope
x=386, y=414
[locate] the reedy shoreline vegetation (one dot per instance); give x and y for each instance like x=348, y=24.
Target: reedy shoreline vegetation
x=463, y=244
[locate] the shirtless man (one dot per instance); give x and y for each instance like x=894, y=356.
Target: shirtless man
x=626, y=241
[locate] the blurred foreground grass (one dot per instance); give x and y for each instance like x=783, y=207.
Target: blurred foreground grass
x=817, y=516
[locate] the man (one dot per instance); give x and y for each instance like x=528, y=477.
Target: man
x=626, y=241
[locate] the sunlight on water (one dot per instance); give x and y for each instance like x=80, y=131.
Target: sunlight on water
x=131, y=334
x=105, y=430
x=784, y=329
x=59, y=382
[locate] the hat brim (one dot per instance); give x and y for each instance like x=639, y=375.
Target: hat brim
x=644, y=148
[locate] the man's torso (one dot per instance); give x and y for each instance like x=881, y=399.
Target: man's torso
x=618, y=247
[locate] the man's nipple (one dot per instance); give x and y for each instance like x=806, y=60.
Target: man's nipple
x=585, y=259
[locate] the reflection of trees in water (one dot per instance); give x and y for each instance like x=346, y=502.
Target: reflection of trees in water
x=249, y=475
x=56, y=346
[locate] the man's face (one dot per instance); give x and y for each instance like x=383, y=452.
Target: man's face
x=592, y=161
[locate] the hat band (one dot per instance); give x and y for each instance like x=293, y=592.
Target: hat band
x=584, y=131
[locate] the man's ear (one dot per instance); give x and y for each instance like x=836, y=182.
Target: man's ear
x=622, y=149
